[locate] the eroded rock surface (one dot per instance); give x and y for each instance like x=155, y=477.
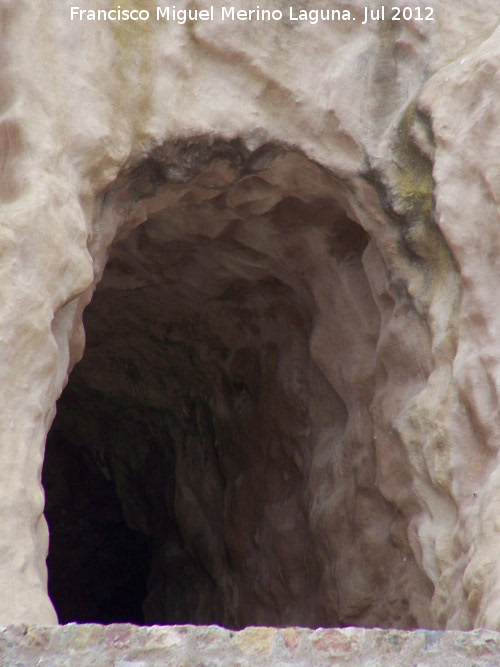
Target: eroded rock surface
x=289, y=390
x=230, y=366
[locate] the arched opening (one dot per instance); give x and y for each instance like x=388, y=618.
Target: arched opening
x=212, y=457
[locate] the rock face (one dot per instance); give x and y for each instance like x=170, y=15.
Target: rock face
x=286, y=235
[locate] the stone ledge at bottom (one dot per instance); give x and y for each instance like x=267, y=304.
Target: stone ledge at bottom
x=124, y=645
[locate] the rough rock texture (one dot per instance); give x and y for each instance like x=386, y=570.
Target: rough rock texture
x=292, y=372
x=210, y=646
x=231, y=362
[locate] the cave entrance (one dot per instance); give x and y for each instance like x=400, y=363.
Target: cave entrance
x=200, y=466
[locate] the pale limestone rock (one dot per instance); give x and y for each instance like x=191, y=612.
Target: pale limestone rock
x=392, y=360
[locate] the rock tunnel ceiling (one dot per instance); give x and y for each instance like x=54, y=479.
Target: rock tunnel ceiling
x=222, y=423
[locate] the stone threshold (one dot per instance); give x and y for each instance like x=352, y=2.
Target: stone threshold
x=125, y=645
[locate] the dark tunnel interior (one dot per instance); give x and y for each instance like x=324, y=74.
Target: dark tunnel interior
x=212, y=459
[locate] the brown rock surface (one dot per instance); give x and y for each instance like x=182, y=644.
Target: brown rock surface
x=232, y=358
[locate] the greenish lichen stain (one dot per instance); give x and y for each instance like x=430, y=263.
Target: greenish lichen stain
x=412, y=199
x=415, y=181
x=134, y=41
x=413, y=195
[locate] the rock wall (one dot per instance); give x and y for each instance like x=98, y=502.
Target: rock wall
x=293, y=234
x=129, y=646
